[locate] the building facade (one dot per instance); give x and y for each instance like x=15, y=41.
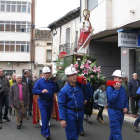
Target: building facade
x=109, y=18
x=15, y=35
x=65, y=32
x=43, y=51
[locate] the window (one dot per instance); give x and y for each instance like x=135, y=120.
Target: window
x=29, y=7
x=24, y=8
x=7, y=27
x=7, y=48
x=12, y=46
x=49, y=44
x=92, y=4
x=14, y=26
x=18, y=8
x=22, y=48
x=9, y=72
x=7, y=8
x=14, y=6
x=68, y=35
x=1, y=27
x=2, y=8
x=49, y=55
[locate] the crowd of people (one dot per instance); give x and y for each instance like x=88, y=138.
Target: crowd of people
x=75, y=101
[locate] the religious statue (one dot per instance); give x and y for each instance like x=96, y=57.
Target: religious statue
x=86, y=32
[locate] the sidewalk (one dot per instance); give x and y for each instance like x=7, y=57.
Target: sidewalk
x=127, y=117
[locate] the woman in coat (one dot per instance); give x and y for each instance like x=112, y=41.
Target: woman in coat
x=100, y=97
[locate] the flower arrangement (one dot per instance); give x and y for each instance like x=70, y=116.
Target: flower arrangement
x=88, y=69
x=85, y=67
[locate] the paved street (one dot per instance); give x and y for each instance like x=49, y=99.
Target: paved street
x=96, y=131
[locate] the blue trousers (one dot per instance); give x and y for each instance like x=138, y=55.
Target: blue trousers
x=116, y=118
x=45, y=110
x=74, y=122
x=137, y=121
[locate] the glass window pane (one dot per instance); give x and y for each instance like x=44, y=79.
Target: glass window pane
x=29, y=7
x=7, y=8
x=2, y=7
x=24, y=2
x=17, y=42
x=1, y=47
x=12, y=47
x=7, y=27
x=2, y=42
x=24, y=8
x=27, y=48
x=18, y=2
x=17, y=48
x=22, y=48
x=23, y=29
x=17, y=28
x=1, y=27
x=12, y=42
x=23, y=42
x=24, y=22
x=18, y=8
x=12, y=28
x=6, y=47
x=13, y=2
x=6, y=42
x=13, y=8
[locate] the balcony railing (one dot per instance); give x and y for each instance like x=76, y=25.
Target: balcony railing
x=66, y=47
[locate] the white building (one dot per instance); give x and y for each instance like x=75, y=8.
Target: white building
x=107, y=17
x=43, y=50
x=65, y=32
x=15, y=36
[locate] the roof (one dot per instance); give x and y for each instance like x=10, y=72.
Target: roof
x=43, y=35
x=65, y=19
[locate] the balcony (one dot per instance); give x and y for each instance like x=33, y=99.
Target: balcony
x=66, y=47
x=15, y=56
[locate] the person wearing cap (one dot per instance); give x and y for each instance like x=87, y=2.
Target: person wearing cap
x=45, y=88
x=71, y=104
x=117, y=105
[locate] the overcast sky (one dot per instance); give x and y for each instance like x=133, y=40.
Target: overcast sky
x=48, y=11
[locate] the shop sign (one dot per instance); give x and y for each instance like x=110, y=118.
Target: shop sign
x=129, y=40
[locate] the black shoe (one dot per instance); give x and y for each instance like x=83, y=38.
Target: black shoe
x=82, y=134
x=6, y=118
x=18, y=127
x=48, y=138
x=21, y=123
x=0, y=127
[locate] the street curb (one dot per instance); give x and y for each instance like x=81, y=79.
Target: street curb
x=126, y=120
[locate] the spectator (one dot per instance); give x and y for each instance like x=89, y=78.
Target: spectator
x=25, y=79
x=101, y=94
x=30, y=86
x=4, y=97
x=19, y=99
x=12, y=81
x=132, y=88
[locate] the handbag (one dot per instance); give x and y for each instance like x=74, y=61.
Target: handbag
x=95, y=105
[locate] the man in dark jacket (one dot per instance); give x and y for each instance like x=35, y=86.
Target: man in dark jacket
x=19, y=99
x=4, y=99
x=25, y=79
x=132, y=89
